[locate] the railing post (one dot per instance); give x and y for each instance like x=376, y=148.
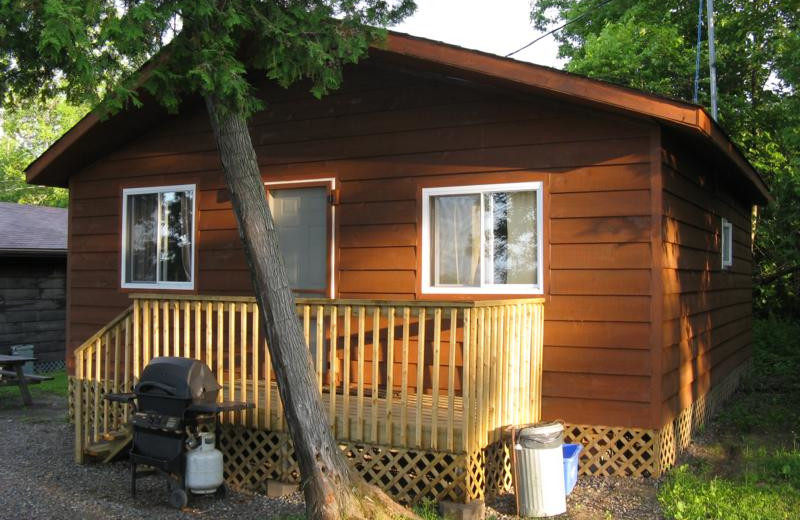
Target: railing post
x=77, y=399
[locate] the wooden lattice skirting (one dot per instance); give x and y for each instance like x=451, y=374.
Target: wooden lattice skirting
x=609, y=450
x=252, y=457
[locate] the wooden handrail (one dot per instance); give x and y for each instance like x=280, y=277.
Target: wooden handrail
x=468, y=304
x=108, y=326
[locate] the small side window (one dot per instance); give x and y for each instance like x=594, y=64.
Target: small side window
x=726, y=246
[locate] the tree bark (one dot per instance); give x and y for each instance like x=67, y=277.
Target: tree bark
x=332, y=489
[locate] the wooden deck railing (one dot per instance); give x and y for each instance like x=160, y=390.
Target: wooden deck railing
x=413, y=374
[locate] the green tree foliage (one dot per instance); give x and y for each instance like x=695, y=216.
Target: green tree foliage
x=218, y=50
x=651, y=45
x=27, y=131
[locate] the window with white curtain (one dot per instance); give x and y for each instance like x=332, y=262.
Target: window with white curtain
x=158, y=237
x=482, y=239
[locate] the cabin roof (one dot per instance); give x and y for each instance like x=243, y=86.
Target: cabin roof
x=32, y=230
x=92, y=137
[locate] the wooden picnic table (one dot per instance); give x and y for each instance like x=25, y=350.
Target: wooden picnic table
x=11, y=374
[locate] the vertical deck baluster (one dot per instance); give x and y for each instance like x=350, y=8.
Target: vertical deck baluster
x=451, y=379
x=332, y=361
x=220, y=351
x=466, y=373
x=346, y=375
x=420, y=390
x=404, y=378
x=437, y=351
x=231, y=375
x=106, y=370
x=198, y=312
x=87, y=403
x=481, y=402
x=486, y=383
x=318, y=347
x=209, y=335
x=494, y=380
x=505, y=362
x=126, y=369
x=187, y=329
x=389, y=374
x=115, y=388
x=528, y=332
x=137, y=340
x=376, y=345
x=256, y=345
x=156, y=330
x=165, y=327
x=243, y=416
x=176, y=328
x=360, y=388
x=77, y=400
x=98, y=357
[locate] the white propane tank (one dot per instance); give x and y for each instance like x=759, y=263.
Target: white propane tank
x=204, y=466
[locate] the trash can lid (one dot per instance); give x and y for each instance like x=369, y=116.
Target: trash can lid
x=541, y=435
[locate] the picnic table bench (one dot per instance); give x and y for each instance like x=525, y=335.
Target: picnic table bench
x=11, y=374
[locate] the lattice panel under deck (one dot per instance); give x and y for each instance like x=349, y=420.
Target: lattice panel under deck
x=614, y=451
x=254, y=456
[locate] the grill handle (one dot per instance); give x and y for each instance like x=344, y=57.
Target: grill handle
x=142, y=386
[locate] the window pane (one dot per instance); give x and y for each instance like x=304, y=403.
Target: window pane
x=510, y=238
x=456, y=240
x=301, y=218
x=176, y=237
x=141, y=238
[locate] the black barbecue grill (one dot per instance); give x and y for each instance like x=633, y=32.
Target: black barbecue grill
x=174, y=399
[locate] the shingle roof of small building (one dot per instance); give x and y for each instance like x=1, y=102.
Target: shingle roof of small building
x=32, y=229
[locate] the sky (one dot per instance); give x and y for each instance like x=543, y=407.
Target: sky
x=496, y=26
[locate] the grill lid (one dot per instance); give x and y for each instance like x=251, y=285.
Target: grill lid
x=180, y=378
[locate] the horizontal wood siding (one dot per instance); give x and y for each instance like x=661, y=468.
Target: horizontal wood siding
x=707, y=311
x=33, y=305
x=384, y=136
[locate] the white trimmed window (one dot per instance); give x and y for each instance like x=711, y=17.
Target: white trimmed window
x=726, y=244
x=158, y=239
x=482, y=239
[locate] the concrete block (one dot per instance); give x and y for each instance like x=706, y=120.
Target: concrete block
x=276, y=489
x=474, y=510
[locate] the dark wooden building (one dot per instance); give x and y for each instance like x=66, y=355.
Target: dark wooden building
x=33, y=265
x=442, y=174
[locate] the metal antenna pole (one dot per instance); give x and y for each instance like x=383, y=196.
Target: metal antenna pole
x=712, y=59
x=697, y=57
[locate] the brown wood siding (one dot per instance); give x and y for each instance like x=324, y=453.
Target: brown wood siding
x=707, y=310
x=384, y=136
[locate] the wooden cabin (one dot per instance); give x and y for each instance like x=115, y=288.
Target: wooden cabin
x=474, y=241
x=33, y=266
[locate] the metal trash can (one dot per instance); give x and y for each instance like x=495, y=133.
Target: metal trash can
x=24, y=351
x=539, y=470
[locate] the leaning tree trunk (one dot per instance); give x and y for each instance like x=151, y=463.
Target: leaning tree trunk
x=332, y=489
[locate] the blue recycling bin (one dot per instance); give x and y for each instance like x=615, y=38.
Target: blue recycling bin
x=572, y=452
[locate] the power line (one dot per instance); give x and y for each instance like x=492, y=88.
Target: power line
x=598, y=6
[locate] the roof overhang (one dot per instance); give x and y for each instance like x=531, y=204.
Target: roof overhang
x=84, y=142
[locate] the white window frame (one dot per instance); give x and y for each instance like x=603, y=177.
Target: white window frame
x=483, y=288
x=150, y=191
x=331, y=182
x=726, y=244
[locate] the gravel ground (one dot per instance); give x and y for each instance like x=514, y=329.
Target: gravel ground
x=40, y=480
x=602, y=498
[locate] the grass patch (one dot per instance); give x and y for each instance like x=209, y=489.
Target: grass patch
x=58, y=386
x=751, y=467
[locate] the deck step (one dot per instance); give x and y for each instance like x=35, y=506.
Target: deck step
x=111, y=445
